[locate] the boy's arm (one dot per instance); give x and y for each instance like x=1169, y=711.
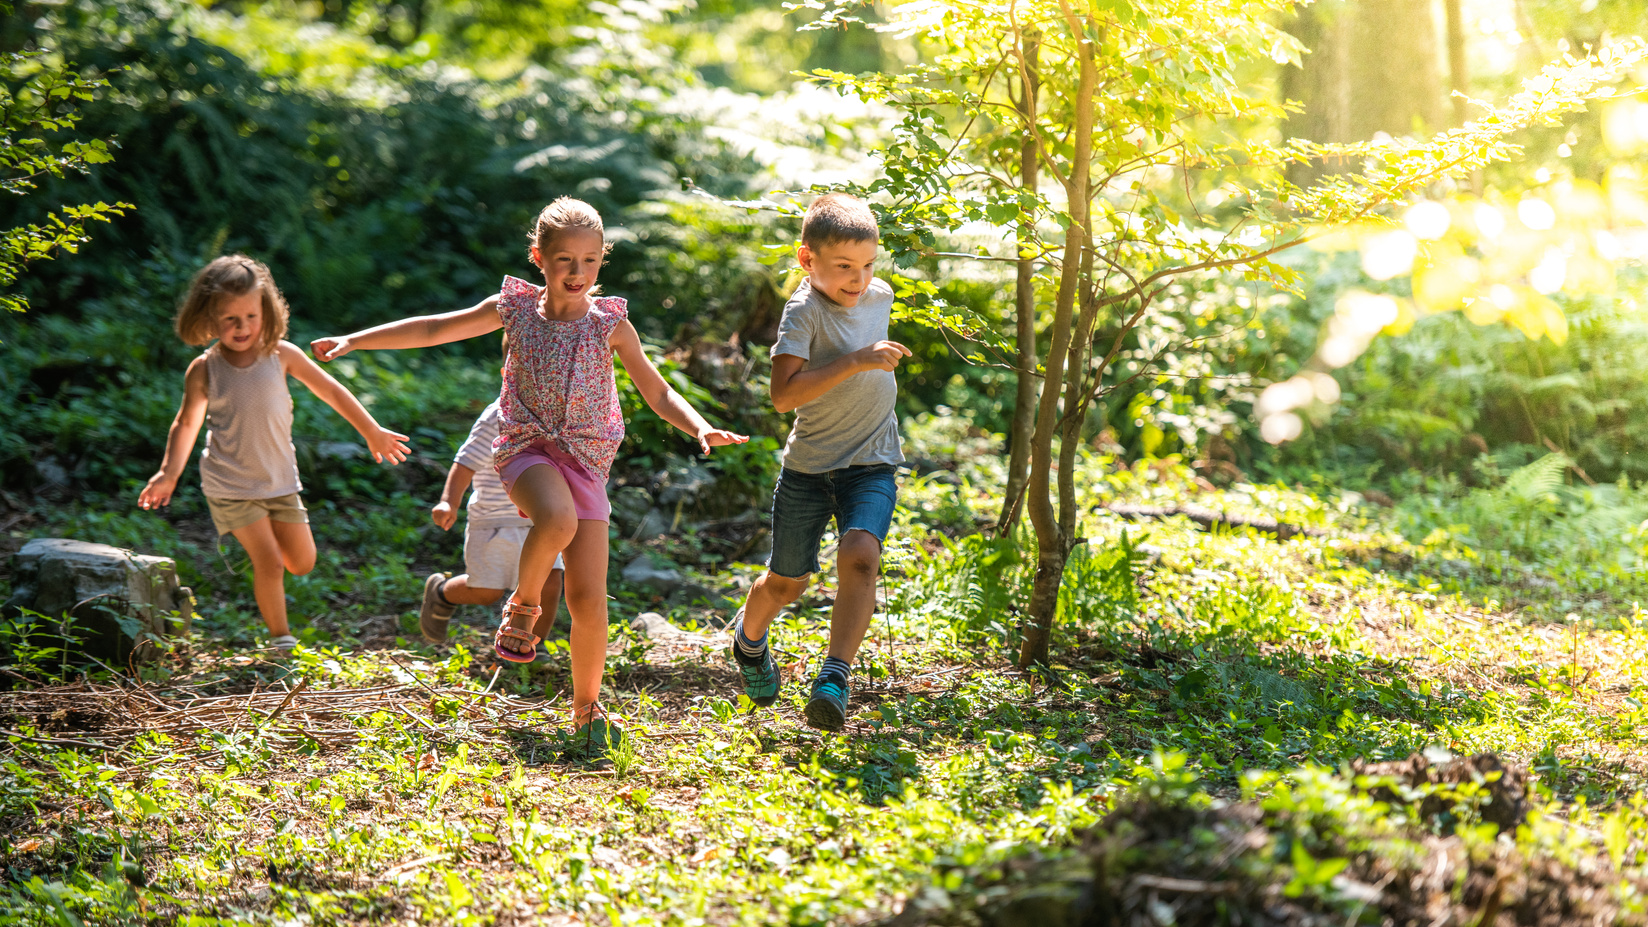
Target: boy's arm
x=180, y=440
x=660, y=397
x=793, y=387
x=445, y=512
x=383, y=443
x=417, y=332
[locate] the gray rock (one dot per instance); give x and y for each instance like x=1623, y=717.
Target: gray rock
x=653, y=524
x=689, y=593
x=683, y=482
x=657, y=627
x=51, y=472
x=760, y=548
x=629, y=506
x=116, y=600
x=643, y=571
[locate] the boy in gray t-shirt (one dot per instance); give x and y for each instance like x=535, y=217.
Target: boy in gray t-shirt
x=833, y=366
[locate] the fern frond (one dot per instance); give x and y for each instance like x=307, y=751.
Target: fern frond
x=1536, y=480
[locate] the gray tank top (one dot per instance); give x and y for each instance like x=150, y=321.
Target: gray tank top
x=249, y=452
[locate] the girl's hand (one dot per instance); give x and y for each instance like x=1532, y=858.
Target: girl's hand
x=444, y=514
x=330, y=348
x=157, y=492
x=388, y=445
x=716, y=437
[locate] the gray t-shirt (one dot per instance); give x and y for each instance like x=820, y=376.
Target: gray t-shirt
x=852, y=424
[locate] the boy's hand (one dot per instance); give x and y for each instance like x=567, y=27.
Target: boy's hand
x=883, y=355
x=330, y=348
x=157, y=492
x=444, y=514
x=388, y=445
x=717, y=437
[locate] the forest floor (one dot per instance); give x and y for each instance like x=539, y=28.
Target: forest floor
x=1214, y=683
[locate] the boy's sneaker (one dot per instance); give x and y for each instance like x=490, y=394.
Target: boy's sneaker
x=761, y=675
x=434, y=615
x=827, y=709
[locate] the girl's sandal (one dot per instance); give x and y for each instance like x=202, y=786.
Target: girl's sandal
x=507, y=632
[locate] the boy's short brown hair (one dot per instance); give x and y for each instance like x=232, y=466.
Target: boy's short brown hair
x=229, y=276
x=838, y=217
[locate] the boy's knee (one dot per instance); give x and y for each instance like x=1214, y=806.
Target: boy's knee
x=859, y=554
x=783, y=587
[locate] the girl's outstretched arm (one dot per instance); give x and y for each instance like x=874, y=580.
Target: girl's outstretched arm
x=417, y=332
x=180, y=441
x=665, y=401
x=383, y=443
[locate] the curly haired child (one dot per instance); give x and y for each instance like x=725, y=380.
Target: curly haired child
x=237, y=387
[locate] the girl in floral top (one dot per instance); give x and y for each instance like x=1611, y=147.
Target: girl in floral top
x=560, y=429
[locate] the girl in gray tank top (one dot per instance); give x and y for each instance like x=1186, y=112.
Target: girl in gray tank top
x=249, y=471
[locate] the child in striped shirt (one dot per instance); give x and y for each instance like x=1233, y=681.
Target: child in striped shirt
x=493, y=535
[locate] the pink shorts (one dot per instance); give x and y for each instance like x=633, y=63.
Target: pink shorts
x=589, y=494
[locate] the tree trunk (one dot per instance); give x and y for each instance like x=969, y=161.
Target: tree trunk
x=1024, y=302
x=1459, y=79
x=1075, y=393
x=1050, y=541
x=1373, y=66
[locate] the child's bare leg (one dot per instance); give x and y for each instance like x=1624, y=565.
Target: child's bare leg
x=551, y=603
x=268, y=573
x=458, y=591
x=541, y=492
x=586, y=598
x=767, y=598
x=857, y=563
x=297, y=546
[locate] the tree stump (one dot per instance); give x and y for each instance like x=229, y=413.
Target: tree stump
x=113, y=603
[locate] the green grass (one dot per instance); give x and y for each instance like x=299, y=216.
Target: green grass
x=1223, y=661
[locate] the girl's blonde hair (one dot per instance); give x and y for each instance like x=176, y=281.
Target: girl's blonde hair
x=230, y=276
x=566, y=214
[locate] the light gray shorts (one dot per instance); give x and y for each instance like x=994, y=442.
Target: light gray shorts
x=492, y=556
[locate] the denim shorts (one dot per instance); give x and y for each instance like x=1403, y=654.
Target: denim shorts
x=803, y=504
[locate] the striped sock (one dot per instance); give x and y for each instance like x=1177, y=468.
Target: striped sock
x=835, y=668
x=747, y=651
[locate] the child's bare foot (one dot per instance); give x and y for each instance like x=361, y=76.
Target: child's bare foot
x=515, y=641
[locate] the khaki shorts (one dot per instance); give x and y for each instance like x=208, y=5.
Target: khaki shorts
x=234, y=514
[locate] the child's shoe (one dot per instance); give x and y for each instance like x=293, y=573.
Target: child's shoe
x=762, y=678
x=827, y=709
x=436, y=611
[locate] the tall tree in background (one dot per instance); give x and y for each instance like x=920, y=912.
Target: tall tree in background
x=1372, y=66
x=1143, y=109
